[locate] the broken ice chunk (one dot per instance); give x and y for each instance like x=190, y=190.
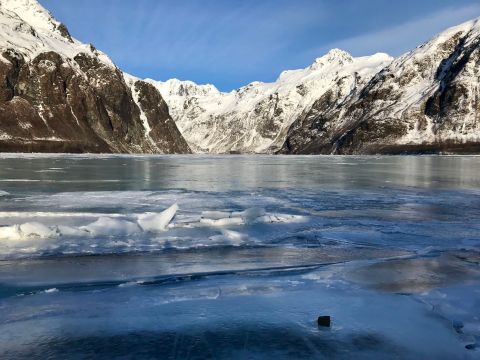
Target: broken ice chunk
x=27, y=231
x=153, y=222
x=111, y=227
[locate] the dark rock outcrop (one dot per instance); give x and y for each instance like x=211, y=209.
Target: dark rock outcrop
x=47, y=105
x=164, y=131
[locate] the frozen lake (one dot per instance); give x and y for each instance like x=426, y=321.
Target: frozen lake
x=235, y=257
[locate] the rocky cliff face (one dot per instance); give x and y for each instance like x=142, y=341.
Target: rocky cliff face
x=59, y=95
x=255, y=118
x=425, y=101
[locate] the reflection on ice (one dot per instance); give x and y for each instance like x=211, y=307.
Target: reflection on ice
x=52, y=271
x=418, y=275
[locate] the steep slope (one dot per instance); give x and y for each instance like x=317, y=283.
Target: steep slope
x=59, y=95
x=424, y=101
x=255, y=118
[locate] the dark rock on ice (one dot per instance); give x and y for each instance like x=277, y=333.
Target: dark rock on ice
x=324, y=321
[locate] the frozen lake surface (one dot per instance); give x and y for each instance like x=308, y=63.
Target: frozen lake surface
x=235, y=257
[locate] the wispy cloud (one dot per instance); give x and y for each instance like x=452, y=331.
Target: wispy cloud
x=236, y=37
x=401, y=38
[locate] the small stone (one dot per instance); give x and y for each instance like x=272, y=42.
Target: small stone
x=471, y=346
x=324, y=321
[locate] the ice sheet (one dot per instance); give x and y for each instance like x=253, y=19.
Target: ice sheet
x=96, y=260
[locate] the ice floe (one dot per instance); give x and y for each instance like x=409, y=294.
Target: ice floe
x=51, y=291
x=112, y=227
x=103, y=226
x=249, y=216
x=27, y=231
x=90, y=232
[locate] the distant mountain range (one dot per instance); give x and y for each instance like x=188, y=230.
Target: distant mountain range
x=256, y=118
x=59, y=95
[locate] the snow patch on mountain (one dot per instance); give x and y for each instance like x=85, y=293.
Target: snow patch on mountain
x=28, y=27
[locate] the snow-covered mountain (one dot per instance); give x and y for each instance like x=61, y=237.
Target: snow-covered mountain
x=59, y=95
x=428, y=100
x=255, y=118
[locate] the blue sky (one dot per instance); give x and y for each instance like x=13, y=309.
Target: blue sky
x=233, y=42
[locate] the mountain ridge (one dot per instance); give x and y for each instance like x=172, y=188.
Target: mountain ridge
x=255, y=117
x=60, y=95
x=427, y=100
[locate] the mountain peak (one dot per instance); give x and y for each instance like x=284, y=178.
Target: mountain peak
x=35, y=15
x=337, y=53
x=333, y=56
x=183, y=87
x=31, y=12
